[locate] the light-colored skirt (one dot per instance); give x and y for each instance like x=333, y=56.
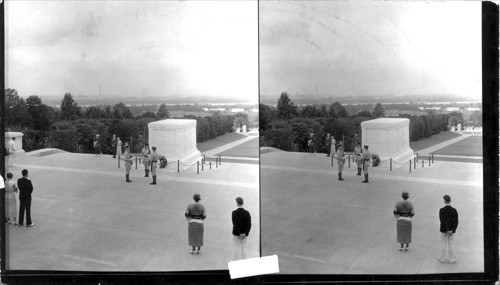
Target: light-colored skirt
x=195, y=234
x=11, y=206
x=403, y=228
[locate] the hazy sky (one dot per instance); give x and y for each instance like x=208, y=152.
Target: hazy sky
x=133, y=48
x=370, y=48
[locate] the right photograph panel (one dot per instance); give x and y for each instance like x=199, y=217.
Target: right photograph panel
x=371, y=136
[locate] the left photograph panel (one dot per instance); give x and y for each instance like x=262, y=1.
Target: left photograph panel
x=132, y=135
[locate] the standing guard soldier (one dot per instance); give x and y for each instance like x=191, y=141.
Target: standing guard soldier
x=365, y=157
x=357, y=153
x=154, y=164
x=340, y=159
x=127, y=157
x=145, y=158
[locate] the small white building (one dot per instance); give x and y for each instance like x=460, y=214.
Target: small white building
x=452, y=109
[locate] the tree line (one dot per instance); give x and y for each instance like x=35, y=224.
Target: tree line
x=71, y=129
x=288, y=126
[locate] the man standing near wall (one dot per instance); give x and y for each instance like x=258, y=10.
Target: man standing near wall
x=12, y=150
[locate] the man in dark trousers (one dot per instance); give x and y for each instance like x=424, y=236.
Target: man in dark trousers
x=241, y=227
x=448, y=216
x=25, y=189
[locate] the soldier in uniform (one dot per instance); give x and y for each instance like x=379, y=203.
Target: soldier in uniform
x=145, y=158
x=340, y=159
x=127, y=157
x=357, y=153
x=155, y=158
x=365, y=157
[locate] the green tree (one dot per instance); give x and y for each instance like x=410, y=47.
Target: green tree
x=148, y=114
x=120, y=111
x=476, y=118
x=241, y=119
x=456, y=118
x=379, y=111
x=163, y=112
x=279, y=134
x=94, y=112
x=64, y=135
x=42, y=115
x=267, y=114
x=337, y=111
x=69, y=108
x=286, y=109
x=310, y=111
x=16, y=111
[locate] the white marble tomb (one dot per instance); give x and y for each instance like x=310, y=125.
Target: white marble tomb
x=176, y=139
x=388, y=138
x=18, y=142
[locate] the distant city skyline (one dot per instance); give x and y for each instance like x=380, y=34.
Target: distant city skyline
x=132, y=48
x=370, y=48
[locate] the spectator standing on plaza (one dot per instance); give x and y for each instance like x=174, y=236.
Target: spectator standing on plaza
x=195, y=215
x=328, y=146
x=365, y=158
x=113, y=146
x=242, y=222
x=10, y=199
x=340, y=156
x=403, y=212
x=12, y=151
x=357, y=153
x=154, y=164
x=127, y=158
x=310, y=143
x=332, y=146
x=118, y=147
x=145, y=158
x=25, y=189
x=97, y=145
x=448, y=217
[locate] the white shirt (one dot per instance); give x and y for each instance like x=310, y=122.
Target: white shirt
x=12, y=148
x=2, y=184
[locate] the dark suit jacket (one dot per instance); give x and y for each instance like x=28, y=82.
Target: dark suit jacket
x=25, y=188
x=241, y=222
x=448, y=216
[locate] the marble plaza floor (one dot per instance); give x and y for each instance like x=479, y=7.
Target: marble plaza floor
x=88, y=218
x=319, y=225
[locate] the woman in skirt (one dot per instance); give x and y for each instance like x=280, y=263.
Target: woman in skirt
x=195, y=215
x=10, y=200
x=404, y=214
